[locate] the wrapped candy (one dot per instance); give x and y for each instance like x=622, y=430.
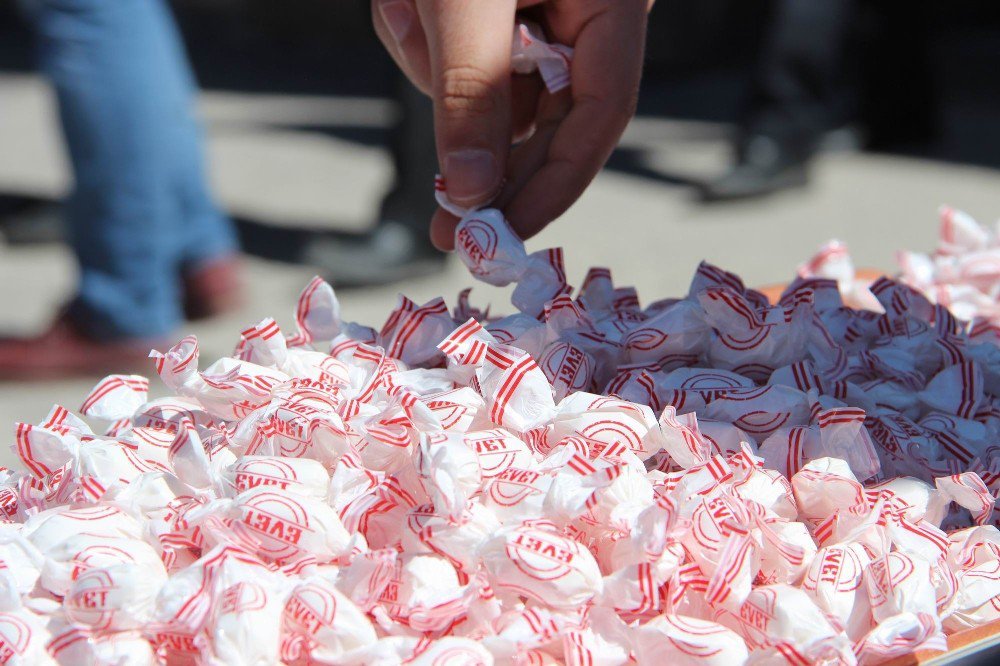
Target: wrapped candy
x=530, y=51
x=784, y=620
x=687, y=640
x=538, y=563
x=320, y=620
x=114, y=598
x=24, y=639
x=835, y=582
x=899, y=583
x=71, y=644
x=283, y=526
x=489, y=248
x=708, y=479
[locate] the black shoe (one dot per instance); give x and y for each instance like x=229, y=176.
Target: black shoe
x=391, y=252
x=764, y=166
x=31, y=221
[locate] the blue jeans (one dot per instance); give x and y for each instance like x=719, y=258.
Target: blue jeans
x=140, y=212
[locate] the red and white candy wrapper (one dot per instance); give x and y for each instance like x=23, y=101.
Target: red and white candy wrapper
x=427, y=531
x=750, y=342
x=539, y=564
x=759, y=412
x=319, y=622
x=200, y=608
x=451, y=651
x=606, y=421
x=826, y=486
x=450, y=472
x=116, y=397
x=678, y=333
x=517, y=394
x=837, y=433
x=489, y=248
x=285, y=526
x=116, y=597
x=531, y=52
x=783, y=621
x=690, y=389
x=73, y=644
x=24, y=639
x=977, y=600
x=900, y=583
x=835, y=580
x=963, y=273
x=301, y=476
x=518, y=494
x=901, y=634
x=498, y=450
x=687, y=640
x=968, y=490
x=755, y=483
x=833, y=262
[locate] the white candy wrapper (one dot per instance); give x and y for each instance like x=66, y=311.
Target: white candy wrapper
x=687, y=640
x=318, y=622
x=283, y=526
x=784, y=619
x=301, y=476
x=539, y=564
x=977, y=599
x=760, y=412
x=531, y=52
x=71, y=644
x=489, y=248
x=713, y=478
x=498, y=450
x=517, y=394
x=835, y=581
x=24, y=639
x=115, y=598
x=900, y=583
x=22, y=565
x=427, y=531
x=899, y=635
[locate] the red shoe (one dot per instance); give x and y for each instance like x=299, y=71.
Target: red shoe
x=213, y=288
x=64, y=351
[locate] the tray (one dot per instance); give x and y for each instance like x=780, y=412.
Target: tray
x=773, y=291
x=979, y=645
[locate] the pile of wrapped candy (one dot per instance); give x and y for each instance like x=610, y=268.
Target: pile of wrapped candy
x=963, y=272
x=711, y=479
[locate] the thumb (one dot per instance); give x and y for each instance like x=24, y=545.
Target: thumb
x=470, y=43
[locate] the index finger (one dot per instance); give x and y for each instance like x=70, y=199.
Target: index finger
x=470, y=46
x=604, y=91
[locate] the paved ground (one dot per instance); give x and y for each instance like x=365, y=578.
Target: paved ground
x=650, y=233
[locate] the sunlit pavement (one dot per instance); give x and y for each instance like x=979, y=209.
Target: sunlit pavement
x=651, y=233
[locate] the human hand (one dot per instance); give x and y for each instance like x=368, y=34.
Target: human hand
x=458, y=52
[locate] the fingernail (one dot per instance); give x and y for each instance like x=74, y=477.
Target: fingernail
x=472, y=176
x=398, y=17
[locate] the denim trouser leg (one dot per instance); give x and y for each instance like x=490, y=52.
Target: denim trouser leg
x=207, y=233
x=140, y=208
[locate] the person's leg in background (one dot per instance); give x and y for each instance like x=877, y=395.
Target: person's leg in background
x=207, y=244
x=797, y=93
x=134, y=217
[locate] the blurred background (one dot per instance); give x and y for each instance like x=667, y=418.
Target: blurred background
x=765, y=128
